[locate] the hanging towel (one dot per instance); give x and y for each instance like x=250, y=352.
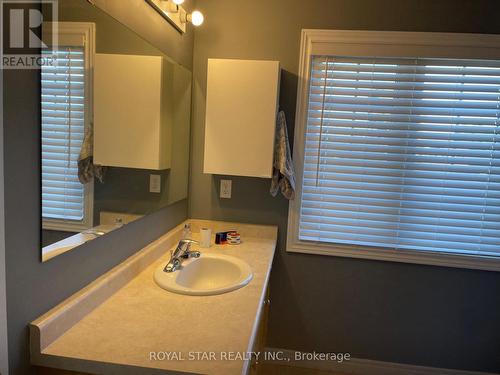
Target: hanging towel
x=283, y=171
x=86, y=167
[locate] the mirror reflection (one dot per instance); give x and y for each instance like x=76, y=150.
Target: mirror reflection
x=115, y=129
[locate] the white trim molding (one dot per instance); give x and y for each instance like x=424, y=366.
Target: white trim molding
x=358, y=366
x=383, y=44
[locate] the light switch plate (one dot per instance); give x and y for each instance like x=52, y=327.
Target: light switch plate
x=226, y=188
x=154, y=183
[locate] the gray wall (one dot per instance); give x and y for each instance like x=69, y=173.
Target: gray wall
x=376, y=310
x=33, y=287
x=4, y=365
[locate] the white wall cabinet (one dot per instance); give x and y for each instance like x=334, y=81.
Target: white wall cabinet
x=132, y=114
x=241, y=107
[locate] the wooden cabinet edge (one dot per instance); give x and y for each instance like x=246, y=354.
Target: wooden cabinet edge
x=260, y=336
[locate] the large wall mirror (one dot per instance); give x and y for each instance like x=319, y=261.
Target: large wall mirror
x=115, y=129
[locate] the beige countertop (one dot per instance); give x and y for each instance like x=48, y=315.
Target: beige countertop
x=142, y=328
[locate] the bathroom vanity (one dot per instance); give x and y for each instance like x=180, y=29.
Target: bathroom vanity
x=125, y=323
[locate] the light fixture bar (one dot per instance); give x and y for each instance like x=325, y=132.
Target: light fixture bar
x=171, y=12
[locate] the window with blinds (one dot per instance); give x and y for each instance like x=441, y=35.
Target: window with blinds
x=63, y=128
x=403, y=153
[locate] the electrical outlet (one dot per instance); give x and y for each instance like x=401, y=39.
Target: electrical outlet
x=225, y=188
x=155, y=183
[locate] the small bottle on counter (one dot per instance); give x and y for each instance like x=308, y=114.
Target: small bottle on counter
x=186, y=232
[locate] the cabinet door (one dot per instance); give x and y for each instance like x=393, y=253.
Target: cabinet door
x=261, y=335
x=242, y=101
x=129, y=128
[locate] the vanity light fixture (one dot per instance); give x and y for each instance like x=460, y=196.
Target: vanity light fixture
x=196, y=18
x=174, y=13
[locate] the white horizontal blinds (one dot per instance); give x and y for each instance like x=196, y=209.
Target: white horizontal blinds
x=63, y=125
x=404, y=154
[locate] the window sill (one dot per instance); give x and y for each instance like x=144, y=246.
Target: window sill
x=391, y=255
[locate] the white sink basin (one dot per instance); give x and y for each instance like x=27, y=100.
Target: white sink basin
x=207, y=275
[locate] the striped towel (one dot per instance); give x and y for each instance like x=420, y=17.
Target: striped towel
x=283, y=171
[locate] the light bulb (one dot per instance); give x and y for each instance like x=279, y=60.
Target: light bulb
x=196, y=18
x=178, y=2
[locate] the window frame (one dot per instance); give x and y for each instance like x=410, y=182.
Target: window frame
x=69, y=33
x=383, y=44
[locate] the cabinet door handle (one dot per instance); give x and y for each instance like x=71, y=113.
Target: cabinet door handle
x=267, y=302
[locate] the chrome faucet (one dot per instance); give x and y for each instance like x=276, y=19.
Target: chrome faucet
x=183, y=251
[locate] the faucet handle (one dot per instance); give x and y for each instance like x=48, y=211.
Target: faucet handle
x=185, y=245
x=191, y=254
